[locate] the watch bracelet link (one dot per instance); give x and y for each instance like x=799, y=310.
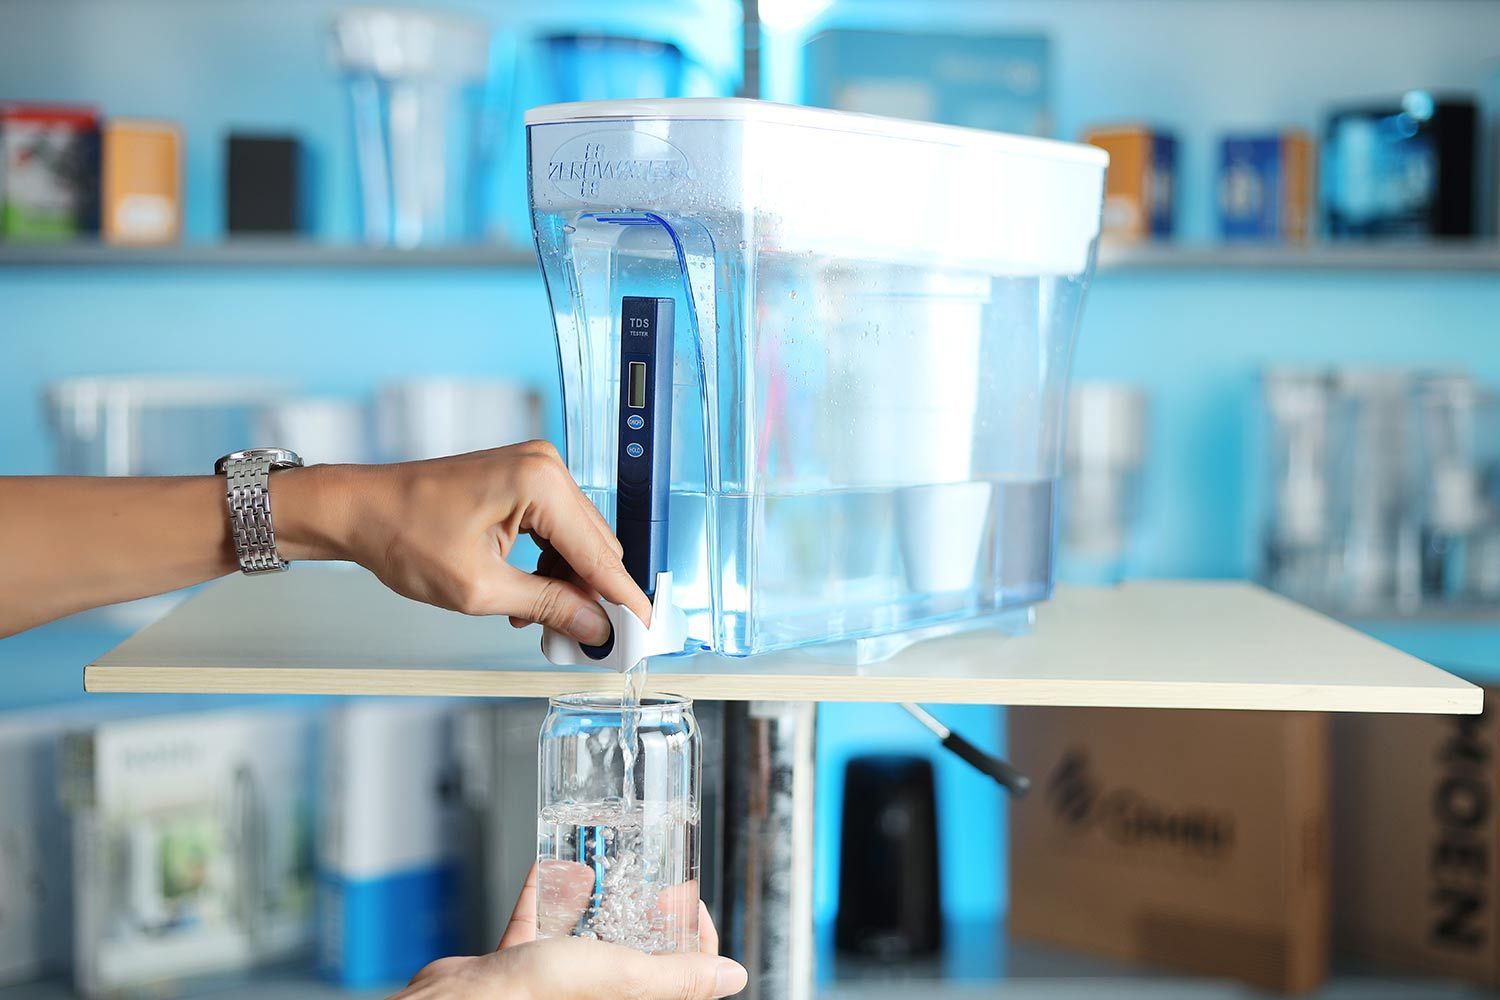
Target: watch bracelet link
x=249, y=501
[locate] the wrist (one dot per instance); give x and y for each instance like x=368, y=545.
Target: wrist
x=310, y=511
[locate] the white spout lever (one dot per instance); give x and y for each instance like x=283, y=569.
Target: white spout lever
x=633, y=640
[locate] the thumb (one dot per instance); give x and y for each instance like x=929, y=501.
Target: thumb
x=683, y=977
x=555, y=604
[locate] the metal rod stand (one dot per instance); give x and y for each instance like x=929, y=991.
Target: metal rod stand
x=766, y=885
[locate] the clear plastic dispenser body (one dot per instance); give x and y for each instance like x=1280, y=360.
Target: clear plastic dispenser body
x=618, y=834
x=875, y=320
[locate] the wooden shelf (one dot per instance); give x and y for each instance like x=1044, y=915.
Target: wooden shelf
x=335, y=630
x=1473, y=257
x=266, y=253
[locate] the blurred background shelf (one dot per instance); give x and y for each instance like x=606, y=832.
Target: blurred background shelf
x=979, y=963
x=265, y=253
x=1471, y=257
x=1418, y=257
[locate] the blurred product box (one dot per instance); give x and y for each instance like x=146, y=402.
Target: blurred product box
x=142, y=188
x=1401, y=169
x=154, y=425
x=996, y=82
x=49, y=171
x=1140, y=189
x=1265, y=187
x=36, y=864
x=36, y=883
x=1416, y=882
x=387, y=866
x=425, y=418
x=1193, y=840
x=192, y=846
x=333, y=431
x=263, y=184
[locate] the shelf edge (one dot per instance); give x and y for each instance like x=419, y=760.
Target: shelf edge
x=1466, y=699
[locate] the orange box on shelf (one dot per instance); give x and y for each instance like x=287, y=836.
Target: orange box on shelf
x=142, y=186
x=1140, y=188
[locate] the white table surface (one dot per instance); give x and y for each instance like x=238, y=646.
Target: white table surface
x=1167, y=644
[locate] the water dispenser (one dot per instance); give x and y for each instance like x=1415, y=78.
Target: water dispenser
x=872, y=325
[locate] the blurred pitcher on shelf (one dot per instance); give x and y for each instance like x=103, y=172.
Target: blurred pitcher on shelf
x=416, y=84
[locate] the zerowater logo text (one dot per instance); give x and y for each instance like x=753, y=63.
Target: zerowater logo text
x=619, y=168
x=1460, y=859
x=1088, y=806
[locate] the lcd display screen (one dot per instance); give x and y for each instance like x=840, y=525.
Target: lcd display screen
x=637, y=385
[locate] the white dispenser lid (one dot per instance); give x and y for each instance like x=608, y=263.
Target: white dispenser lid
x=827, y=184
x=740, y=109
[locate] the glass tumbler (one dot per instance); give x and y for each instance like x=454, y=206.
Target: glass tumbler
x=617, y=822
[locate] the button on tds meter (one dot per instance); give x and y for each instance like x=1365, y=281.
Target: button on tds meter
x=634, y=450
x=634, y=422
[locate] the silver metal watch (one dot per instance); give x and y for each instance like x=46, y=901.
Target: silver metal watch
x=247, y=476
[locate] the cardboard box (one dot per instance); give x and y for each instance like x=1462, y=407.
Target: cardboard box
x=192, y=844
x=1265, y=187
x=1140, y=188
x=388, y=888
x=36, y=879
x=1416, y=880
x=1402, y=168
x=1193, y=840
x=49, y=171
x=997, y=82
x=36, y=864
x=263, y=184
x=142, y=188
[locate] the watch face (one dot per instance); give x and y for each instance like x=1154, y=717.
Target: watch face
x=280, y=458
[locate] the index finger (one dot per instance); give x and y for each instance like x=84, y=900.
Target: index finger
x=560, y=518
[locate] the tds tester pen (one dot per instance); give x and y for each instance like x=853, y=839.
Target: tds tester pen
x=645, y=457
x=644, y=462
